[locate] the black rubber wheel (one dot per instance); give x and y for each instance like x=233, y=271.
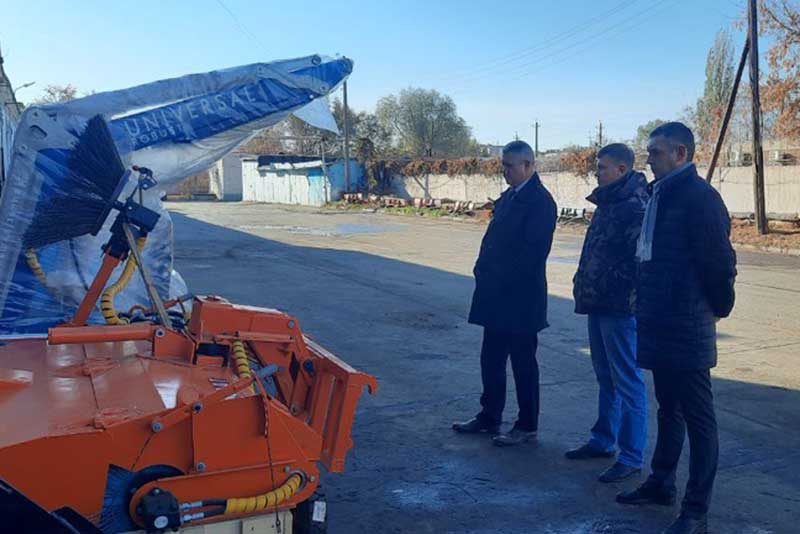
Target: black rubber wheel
x=121, y=485
x=311, y=516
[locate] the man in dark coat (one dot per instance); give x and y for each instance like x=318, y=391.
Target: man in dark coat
x=510, y=299
x=687, y=269
x=604, y=290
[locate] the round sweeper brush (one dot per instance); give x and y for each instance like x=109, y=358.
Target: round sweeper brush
x=79, y=188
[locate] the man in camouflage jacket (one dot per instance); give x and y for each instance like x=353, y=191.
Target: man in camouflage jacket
x=604, y=290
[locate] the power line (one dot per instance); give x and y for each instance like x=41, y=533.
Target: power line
x=551, y=42
x=624, y=23
x=241, y=26
x=589, y=41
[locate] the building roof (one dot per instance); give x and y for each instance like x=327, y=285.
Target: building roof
x=272, y=159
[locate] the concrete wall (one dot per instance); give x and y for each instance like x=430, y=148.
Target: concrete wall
x=568, y=190
x=301, y=184
x=336, y=178
x=225, y=178
x=782, y=185
x=477, y=188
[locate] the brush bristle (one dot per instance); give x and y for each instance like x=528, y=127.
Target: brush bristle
x=95, y=162
x=79, y=190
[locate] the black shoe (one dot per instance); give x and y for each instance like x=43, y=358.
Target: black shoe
x=618, y=472
x=586, y=452
x=476, y=426
x=686, y=524
x=647, y=494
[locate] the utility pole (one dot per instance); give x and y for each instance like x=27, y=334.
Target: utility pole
x=324, y=169
x=758, y=151
x=729, y=111
x=536, y=139
x=600, y=135
x=346, y=142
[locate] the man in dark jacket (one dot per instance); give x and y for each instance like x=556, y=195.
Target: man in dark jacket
x=510, y=299
x=687, y=269
x=604, y=289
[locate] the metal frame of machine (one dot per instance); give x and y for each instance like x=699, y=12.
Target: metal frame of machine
x=171, y=421
x=142, y=395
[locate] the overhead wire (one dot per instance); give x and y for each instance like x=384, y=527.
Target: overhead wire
x=624, y=23
x=549, y=43
x=589, y=41
x=241, y=26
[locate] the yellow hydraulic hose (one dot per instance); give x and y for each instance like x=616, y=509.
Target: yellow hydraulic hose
x=241, y=361
x=33, y=263
x=107, y=299
x=265, y=500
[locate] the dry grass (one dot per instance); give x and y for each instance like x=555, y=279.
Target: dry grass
x=784, y=235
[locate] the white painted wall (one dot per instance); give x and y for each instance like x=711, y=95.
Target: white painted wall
x=225, y=178
x=781, y=188
x=290, y=186
x=782, y=185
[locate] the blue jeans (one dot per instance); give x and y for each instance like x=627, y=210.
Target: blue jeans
x=622, y=402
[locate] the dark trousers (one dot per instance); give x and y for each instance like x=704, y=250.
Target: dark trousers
x=497, y=346
x=686, y=404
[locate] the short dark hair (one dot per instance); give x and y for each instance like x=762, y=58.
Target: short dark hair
x=677, y=133
x=520, y=148
x=619, y=152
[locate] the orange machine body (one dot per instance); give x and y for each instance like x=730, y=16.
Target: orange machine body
x=139, y=395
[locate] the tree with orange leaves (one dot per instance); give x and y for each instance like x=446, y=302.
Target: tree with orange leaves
x=780, y=94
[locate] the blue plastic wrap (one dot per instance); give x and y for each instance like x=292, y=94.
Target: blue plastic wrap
x=177, y=128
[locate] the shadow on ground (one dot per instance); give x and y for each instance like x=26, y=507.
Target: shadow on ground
x=406, y=324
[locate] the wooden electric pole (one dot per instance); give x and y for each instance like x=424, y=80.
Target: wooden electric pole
x=758, y=151
x=346, y=142
x=728, y=112
x=600, y=136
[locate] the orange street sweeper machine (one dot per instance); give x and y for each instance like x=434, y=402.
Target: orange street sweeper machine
x=184, y=413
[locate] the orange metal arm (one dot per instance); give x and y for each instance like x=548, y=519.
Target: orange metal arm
x=180, y=413
x=99, y=283
x=65, y=335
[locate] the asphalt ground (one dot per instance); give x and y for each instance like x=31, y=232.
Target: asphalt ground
x=390, y=295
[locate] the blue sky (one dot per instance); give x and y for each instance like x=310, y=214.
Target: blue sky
x=568, y=64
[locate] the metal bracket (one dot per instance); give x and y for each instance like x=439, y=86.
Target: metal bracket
x=155, y=299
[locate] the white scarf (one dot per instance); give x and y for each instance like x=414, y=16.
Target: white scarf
x=644, y=247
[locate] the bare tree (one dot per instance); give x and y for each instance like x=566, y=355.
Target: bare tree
x=53, y=94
